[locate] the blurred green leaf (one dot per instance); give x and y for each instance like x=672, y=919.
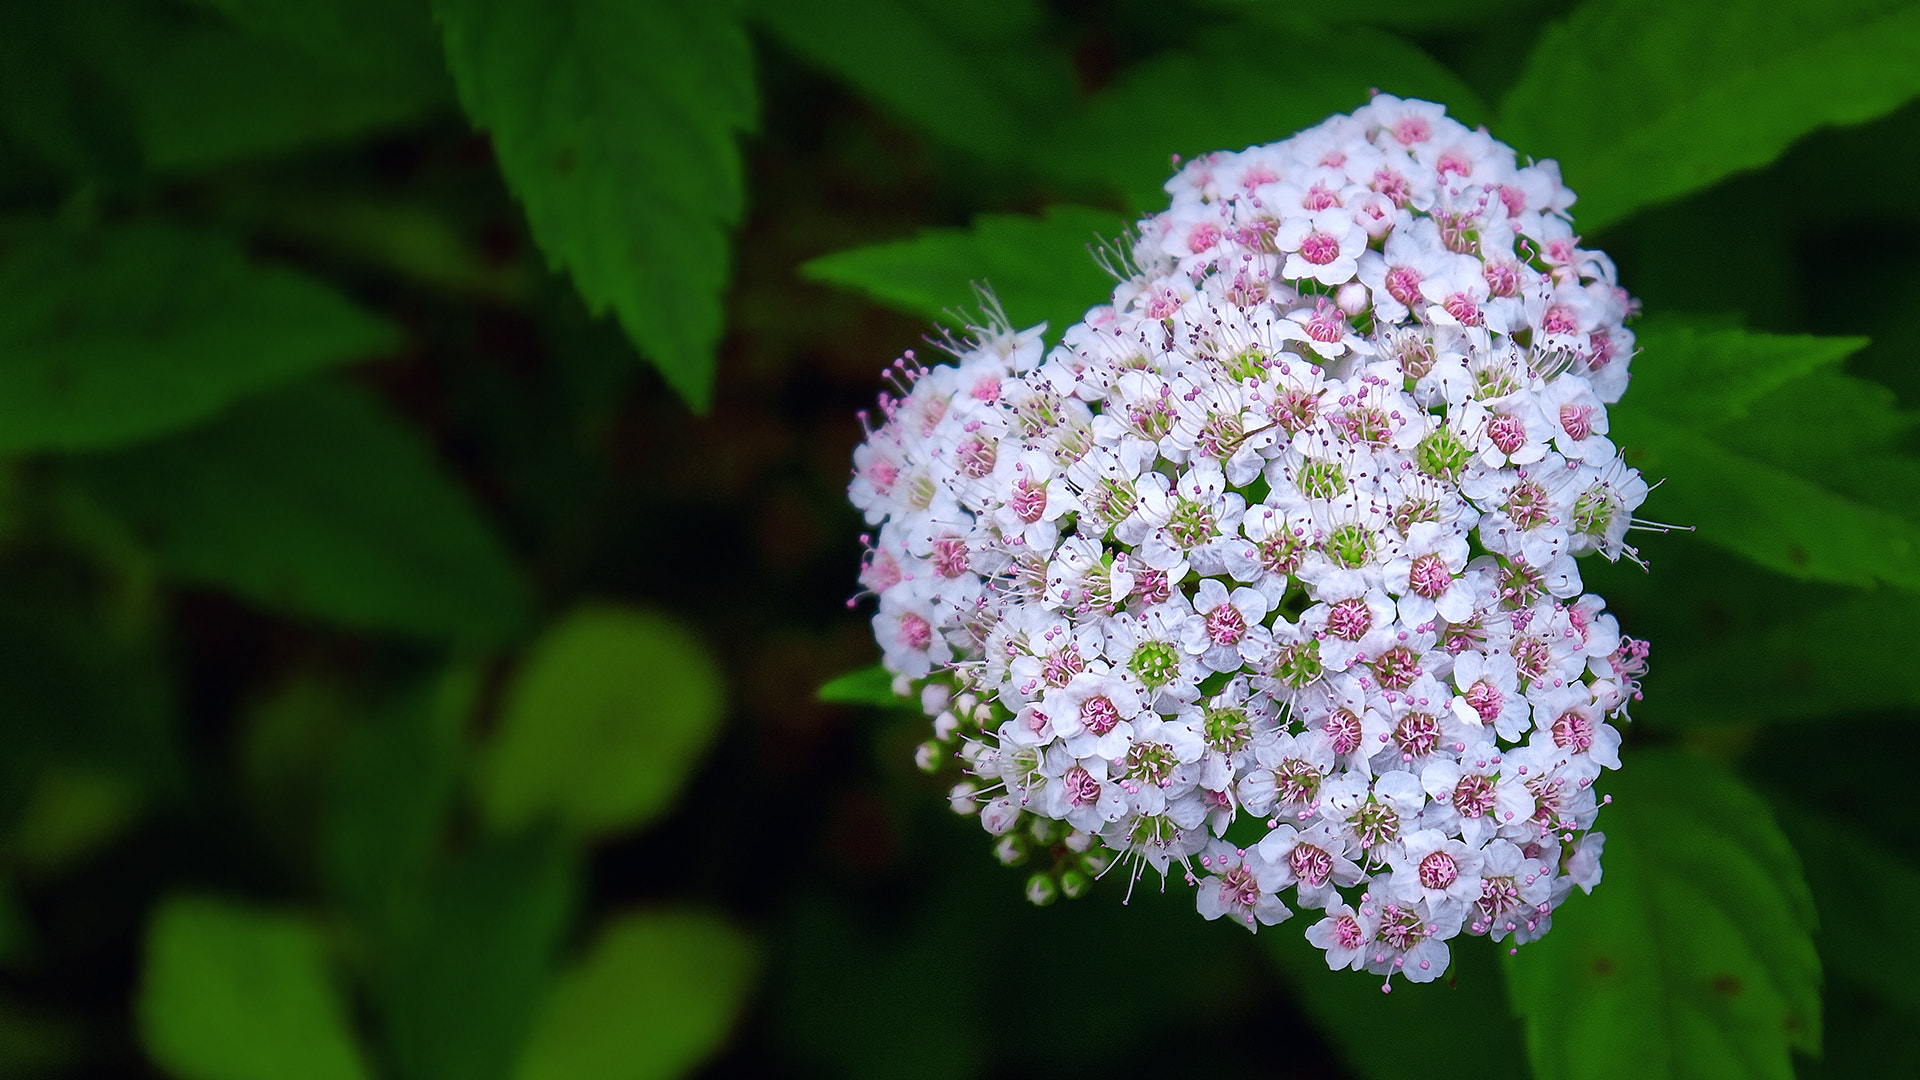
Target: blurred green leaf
x=1803, y=664
x=1736, y=645
x=860, y=995
x=124, y=332
x=35, y=1043
x=602, y=724
x=70, y=114
x=235, y=994
x=1237, y=86
x=1038, y=268
x=318, y=501
x=1703, y=377
x=1866, y=1036
x=1694, y=957
x=975, y=74
x=1399, y=14
x=1352, y=1012
x=213, y=96
x=70, y=813
x=654, y=997
x=464, y=980
x=1852, y=874
x=1781, y=485
x=136, y=79
x=389, y=800
x=615, y=125
x=392, y=34
x=868, y=686
x=84, y=693
x=1642, y=100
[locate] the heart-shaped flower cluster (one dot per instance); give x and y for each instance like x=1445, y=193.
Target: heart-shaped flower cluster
x=1268, y=569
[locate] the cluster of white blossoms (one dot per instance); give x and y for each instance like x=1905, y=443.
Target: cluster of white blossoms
x=1267, y=571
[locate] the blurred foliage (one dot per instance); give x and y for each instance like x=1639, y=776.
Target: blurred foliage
x=402, y=679
x=1695, y=958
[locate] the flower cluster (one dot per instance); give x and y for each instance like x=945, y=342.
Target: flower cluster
x=1267, y=571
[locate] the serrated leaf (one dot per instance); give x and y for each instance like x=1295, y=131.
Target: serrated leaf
x=975, y=74
x=317, y=501
x=128, y=331
x=1642, y=101
x=1780, y=520
x=1782, y=485
x=1805, y=664
x=615, y=125
x=1237, y=87
x=1693, y=957
x=230, y=993
x=653, y=998
x=1040, y=269
x=1725, y=370
x=602, y=724
x=1735, y=645
x=1850, y=872
x=867, y=686
x=461, y=985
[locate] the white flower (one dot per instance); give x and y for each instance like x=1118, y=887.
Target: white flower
x=1324, y=246
x=1211, y=557
x=1441, y=871
x=1225, y=631
x=1241, y=884
x=1343, y=935
x=1314, y=860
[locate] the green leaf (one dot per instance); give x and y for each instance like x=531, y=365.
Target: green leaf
x=1400, y=14
x=1642, y=101
x=867, y=686
x=235, y=994
x=70, y=814
x=603, y=723
x=1351, y=1011
x=35, y=1041
x=1693, y=957
x=391, y=34
x=1851, y=873
x=462, y=983
x=1794, y=473
x=1724, y=371
x=131, y=81
x=206, y=95
x=1040, y=269
x=1866, y=1036
x=1240, y=85
x=85, y=692
x=654, y=997
x=389, y=800
x=317, y=501
x=975, y=74
x=59, y=108
x=615, y=125
x=117, y=334
x=1795, y=655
